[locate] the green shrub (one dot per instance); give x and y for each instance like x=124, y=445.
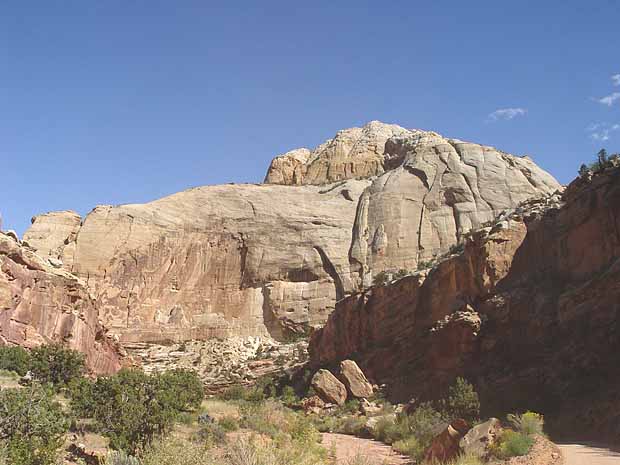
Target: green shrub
x=56, y=365
x=184, y=387
x=288, y=396
x=229, y=423
x=236, y=392
x=381, y=278
x=409, y=446
x=32, y=424
x=15, y=358
x=462, y=402
x=81, y=393
x=512, y=444
x=212, y=433
x=527, y=423
x=132, y=408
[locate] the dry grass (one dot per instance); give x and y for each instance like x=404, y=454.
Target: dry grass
x=219, y=409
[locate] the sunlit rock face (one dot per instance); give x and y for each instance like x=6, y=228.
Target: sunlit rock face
x=275, y=258
x=40, y=304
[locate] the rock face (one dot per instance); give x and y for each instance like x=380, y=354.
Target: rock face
x=354, y=380
x=40, y=304
x=529, y=312
x=54, y=235
x=329, y=388
x=273, y=259
x=352, y=153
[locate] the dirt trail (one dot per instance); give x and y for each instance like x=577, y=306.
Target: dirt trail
x=580, y=454
x=348, y=447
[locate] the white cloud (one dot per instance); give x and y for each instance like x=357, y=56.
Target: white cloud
x=507, y=113
x=616, y=79
x=609, y=99
x=601, y=132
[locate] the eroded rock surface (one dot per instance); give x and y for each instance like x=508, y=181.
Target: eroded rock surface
x=41, y=304
x=274, y=259
x=529, y=312
x=329, y=388
x=354, y=379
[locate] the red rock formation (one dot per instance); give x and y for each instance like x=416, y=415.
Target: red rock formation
x=41, y=304
x=530, y=312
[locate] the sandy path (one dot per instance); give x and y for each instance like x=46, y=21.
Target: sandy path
x=348, y=447
x=578, y=454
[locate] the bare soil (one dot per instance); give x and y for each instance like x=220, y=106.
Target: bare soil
x=347, y=448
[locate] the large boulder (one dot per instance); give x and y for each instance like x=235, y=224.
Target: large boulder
x=354, y=379
x=478, y=439
x=445, y=446
x=329, y=388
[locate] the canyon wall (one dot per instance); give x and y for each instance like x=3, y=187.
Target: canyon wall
x=529, y=312
x=274, y=258
x=40, y=304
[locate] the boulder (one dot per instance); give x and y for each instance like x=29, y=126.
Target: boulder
x=354, y=379
x=313, y=404
x=480, y=437
x=445, y=446
x=329, y=388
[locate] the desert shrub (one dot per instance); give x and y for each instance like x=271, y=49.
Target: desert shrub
x=56, y=365
x=120, y=458
x=32, y=424
x=381, y=278
x=462, y=402
x=174, y=451
x=512, y=444
x=132, y=408
x=409, y=446
x=288, y=396
x=212, y=433
x=236, y=392
x=466, y=460
x=184, y=387
x=456, y=249
x=359, y=459
x=249, y=394
x=527, y=423
x=250, y=451
x=229, y=423
x=401, y=274
x=15, y=358
x=80, y=391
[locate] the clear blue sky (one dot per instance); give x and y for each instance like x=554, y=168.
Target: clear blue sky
x=108, y=102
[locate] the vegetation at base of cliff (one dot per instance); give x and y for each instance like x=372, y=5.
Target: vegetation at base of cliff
x=51, y=364
x=32, y=425
x=518, y=441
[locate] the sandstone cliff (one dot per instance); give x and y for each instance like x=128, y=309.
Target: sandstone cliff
x=41, y=304
x=256, y=259
x=529, y=311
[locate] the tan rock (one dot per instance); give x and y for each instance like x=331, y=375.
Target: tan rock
x=273, y=259
x=329, y=388
x=354, y=379
x=53, y=235
x=478, y=439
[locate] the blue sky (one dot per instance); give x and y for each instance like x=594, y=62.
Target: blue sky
x=117, y=102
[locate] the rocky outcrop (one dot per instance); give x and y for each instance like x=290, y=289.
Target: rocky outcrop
x=529, y=312
x=354, y=380
x=41, y=304
x=445, y=446
x=274, y=259
x=352, y=153
x=329, y=388
x=53, y=236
